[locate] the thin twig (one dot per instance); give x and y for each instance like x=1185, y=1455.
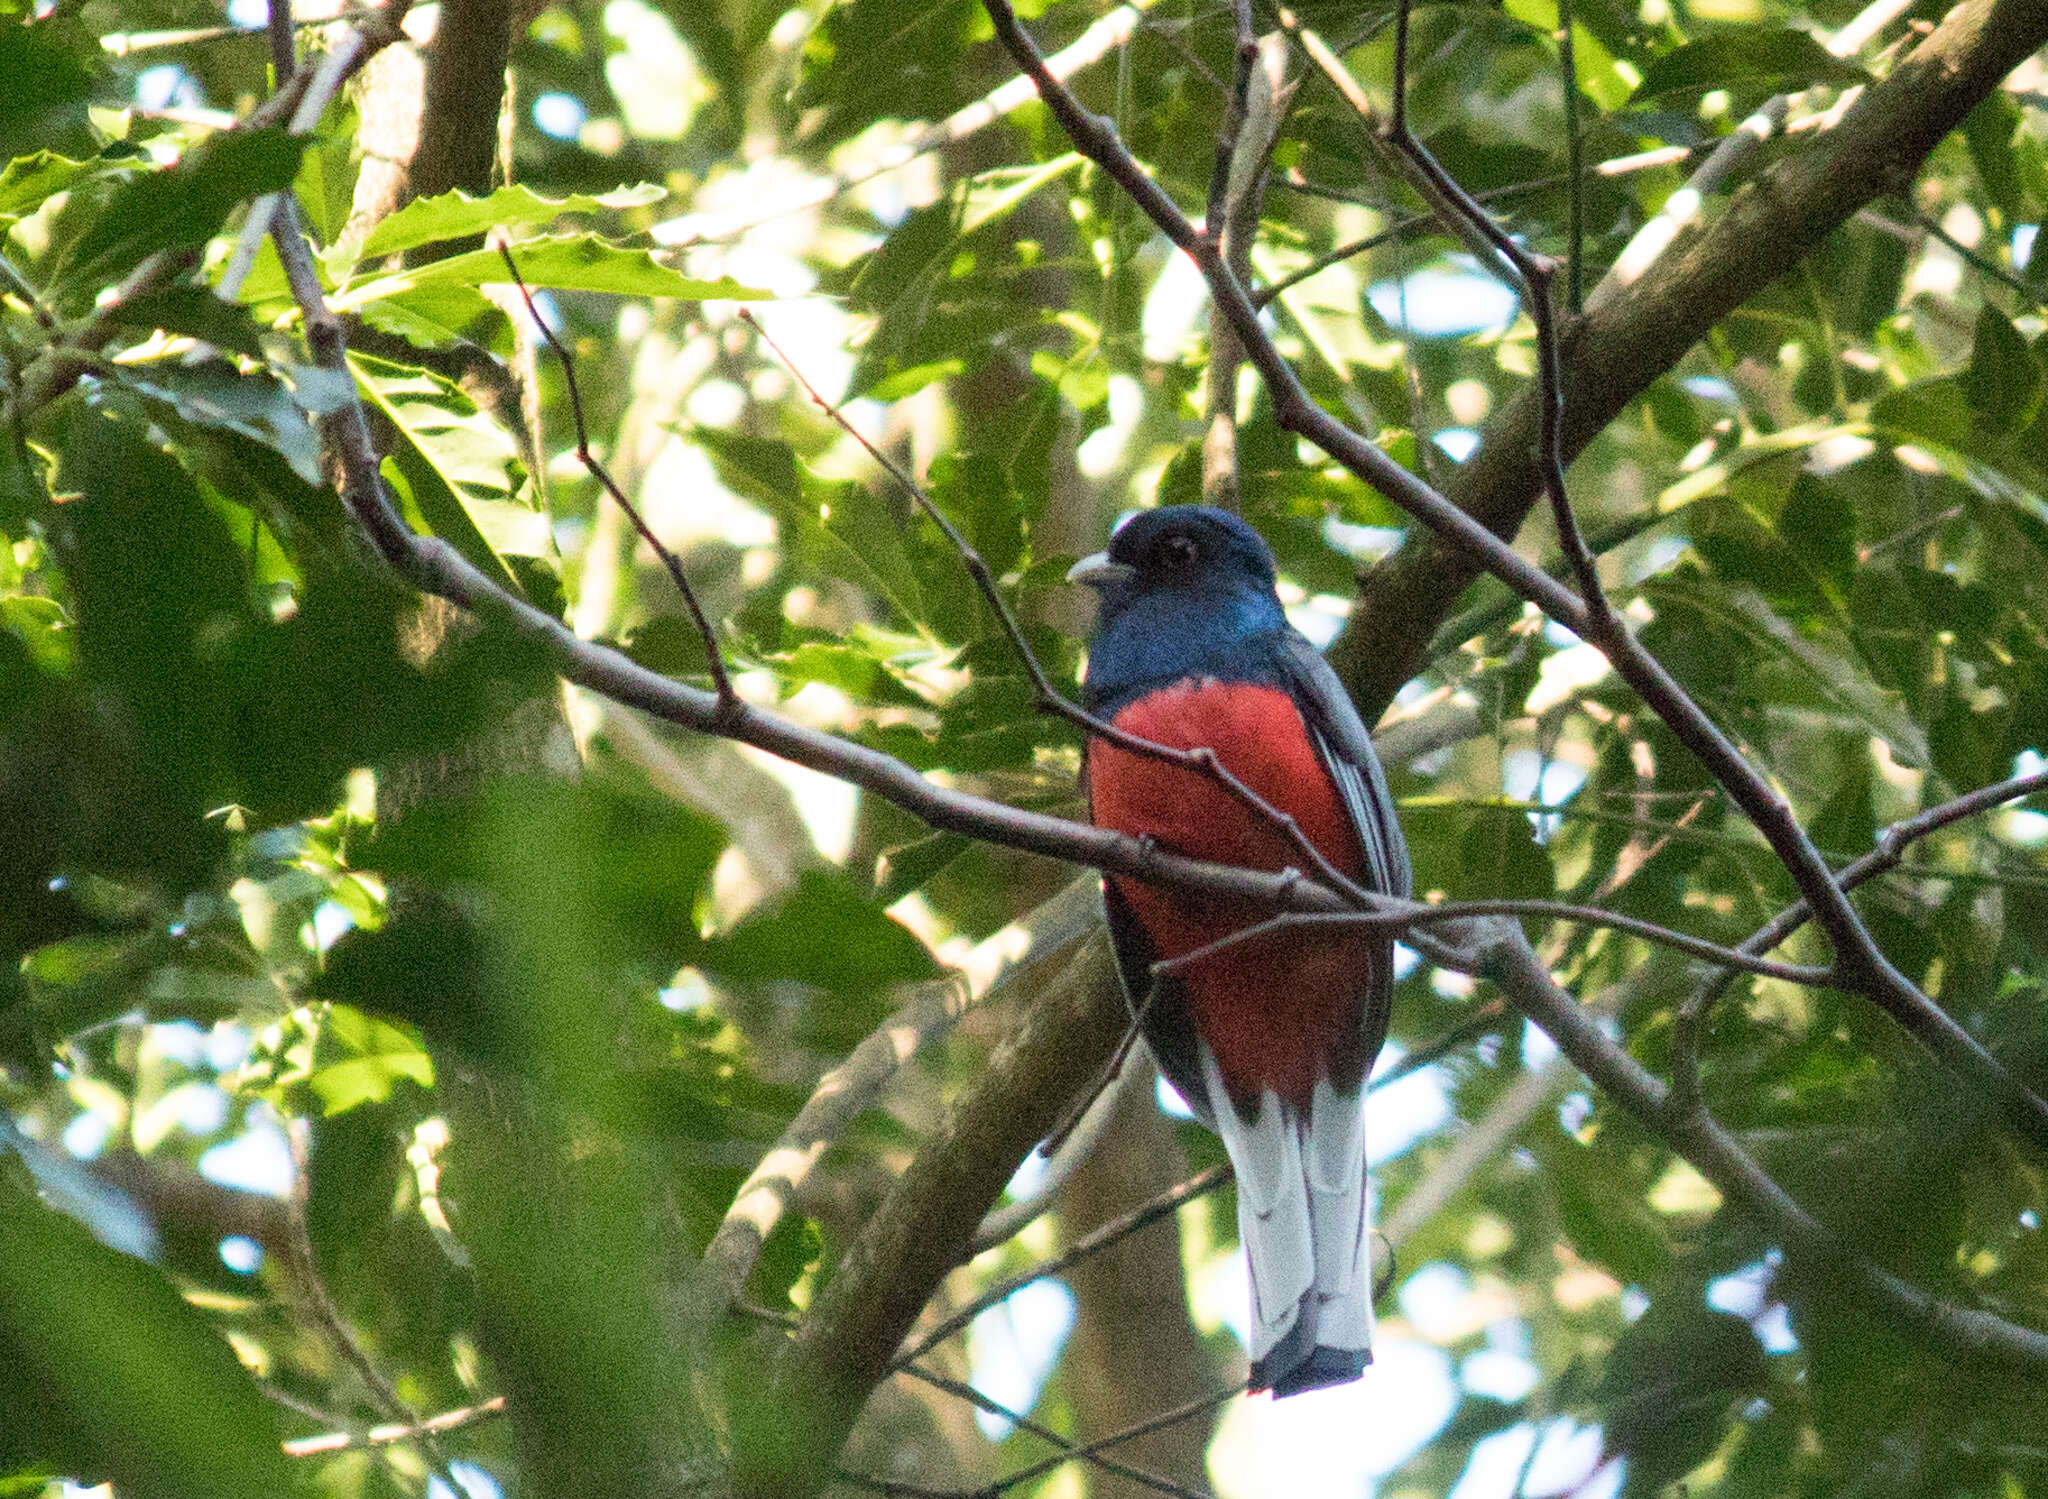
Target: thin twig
x=1088, y=1451
x=714, y=656
x=1112, y=1232
x=327, y=1315
x=1104, y=1079
x=1574, y=154
x=1069, y=1451
x=1394, y=915
x=284, y=56
x=1062, y=1159
x=1533, y=276
x=1982, y=262
x=379, y=1436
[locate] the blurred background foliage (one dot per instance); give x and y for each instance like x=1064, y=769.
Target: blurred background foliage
x=309, y=889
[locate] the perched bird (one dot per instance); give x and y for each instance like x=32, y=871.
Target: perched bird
x=1269, y=1040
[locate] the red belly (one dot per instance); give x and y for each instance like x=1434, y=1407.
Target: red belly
x=1272, y=1010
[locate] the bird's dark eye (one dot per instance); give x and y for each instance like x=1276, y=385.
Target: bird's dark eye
x=1175, y=552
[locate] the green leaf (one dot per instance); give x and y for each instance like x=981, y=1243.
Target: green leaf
x=361, y=1059
x=41, y=77
x=1935, y=411
x=911, y=866
x=1749, y=54
x=573, y=262
x=176, y=208
x=1989, y=132
x=28, y=180
x=458, y=468
x=869, y=950
x=1608, y=1221
x=215, y=394
x=195, y=312
x=1501, y=859
x=431, y=317
x=107, y=1374
x=841, y=528
x=457, y=215
x=2003, y=382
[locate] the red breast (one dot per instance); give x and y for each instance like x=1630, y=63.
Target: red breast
x=1272, y=1010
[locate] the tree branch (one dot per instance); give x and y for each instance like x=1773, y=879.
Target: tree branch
x=1690, y=1022
x=1496, y=950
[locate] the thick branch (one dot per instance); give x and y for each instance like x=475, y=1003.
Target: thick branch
x=465, y=85
x=922, y=1230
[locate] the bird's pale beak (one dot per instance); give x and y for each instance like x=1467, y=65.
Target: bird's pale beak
x=1097, y=571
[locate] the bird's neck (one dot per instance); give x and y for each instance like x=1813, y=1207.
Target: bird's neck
x=1161, y=639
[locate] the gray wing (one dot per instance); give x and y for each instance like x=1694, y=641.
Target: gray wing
x=1345, y=746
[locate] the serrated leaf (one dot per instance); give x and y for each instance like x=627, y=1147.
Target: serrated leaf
x=449, y=454
x=430, y=317
x=572, y=262
x=1750, y=54
x=457, y=215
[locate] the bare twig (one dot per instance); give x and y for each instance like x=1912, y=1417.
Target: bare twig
x=1108, y=1076
x=714, y=655
x=327, y=1316
x=1532, y=276
x=1088, y=1451
x=1110, y=1233
x=380, y=1436
x=25, y=289
x=1391, y=914
x=1064, y=1154
x=1069, y=1451
x=1574, y=154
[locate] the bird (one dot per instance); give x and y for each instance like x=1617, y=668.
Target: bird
x=1269, y=1040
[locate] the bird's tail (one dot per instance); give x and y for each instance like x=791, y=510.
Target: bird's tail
x=1302, y=1216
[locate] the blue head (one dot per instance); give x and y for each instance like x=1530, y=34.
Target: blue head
x=1186, y=591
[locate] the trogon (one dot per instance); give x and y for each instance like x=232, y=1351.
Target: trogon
x=1270, y=1040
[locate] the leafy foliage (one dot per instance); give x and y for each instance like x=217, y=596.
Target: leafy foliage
x=311, y=886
